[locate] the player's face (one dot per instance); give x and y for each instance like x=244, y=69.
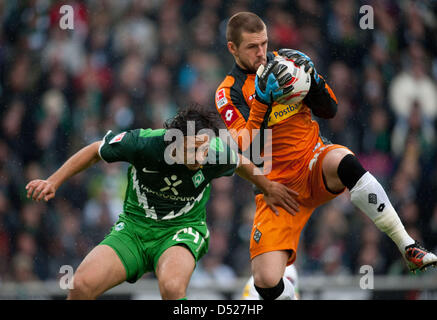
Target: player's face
x=196, y=151
x=252, y=51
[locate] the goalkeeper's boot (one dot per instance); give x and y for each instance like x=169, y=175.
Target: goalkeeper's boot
x=418, y=257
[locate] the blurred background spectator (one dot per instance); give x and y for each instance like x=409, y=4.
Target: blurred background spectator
x=133, y=63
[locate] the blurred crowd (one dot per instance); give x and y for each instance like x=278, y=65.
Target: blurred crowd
x=130, y=64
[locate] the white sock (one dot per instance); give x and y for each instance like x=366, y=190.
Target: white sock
x=288, y=293
x=369, y=196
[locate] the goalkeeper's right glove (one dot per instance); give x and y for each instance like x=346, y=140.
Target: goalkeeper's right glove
x=268, y=83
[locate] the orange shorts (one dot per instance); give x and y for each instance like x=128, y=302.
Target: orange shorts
x=271, y=232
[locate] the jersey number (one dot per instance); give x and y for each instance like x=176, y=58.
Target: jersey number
x=189, y=231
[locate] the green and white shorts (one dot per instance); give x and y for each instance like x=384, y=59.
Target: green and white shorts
x=140, y=246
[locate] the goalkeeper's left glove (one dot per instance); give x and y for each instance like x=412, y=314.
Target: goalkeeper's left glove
x=301, y=58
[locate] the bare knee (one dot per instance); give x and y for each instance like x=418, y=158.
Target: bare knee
x=172, y=288
x=266, y=278
x=82, y=289
x=268, y=268
x=174, y=270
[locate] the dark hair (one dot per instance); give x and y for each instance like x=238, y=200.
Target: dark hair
x=243, y=22
x=203, y=118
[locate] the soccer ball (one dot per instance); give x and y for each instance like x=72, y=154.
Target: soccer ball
x=301, y=81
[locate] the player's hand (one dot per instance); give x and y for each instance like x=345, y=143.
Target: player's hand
x=300, y=59
x=278, y=194
x=268, y=83
x=40, y=190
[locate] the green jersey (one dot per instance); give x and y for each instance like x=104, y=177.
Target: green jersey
x=159, y=192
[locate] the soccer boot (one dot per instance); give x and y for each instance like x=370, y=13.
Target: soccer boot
x=418, y=257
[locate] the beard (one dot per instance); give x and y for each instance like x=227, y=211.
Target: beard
x=248, y=67
x=251, y=68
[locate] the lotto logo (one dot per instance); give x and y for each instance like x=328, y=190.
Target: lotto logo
x=229, y=115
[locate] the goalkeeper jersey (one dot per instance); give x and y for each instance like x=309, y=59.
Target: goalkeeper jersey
x=158, y=192
x=294, y=133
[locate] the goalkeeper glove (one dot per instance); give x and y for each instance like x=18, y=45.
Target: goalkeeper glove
x=300, y=59
x=268, y=83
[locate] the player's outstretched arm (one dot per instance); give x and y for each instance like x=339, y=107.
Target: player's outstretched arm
x=274, y=193
x=45, y=189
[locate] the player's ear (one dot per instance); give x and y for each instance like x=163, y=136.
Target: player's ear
x=232, y=48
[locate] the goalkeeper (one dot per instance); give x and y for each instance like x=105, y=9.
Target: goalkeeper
x=307, y=163
x=163, y=224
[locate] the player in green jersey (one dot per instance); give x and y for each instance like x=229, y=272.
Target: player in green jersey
x=163, y=224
